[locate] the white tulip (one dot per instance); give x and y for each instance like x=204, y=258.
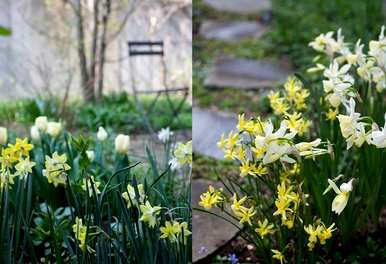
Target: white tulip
x=122, y=144
x=54, y=128
x=35, y=134
x=3, y=135
x=102, y=134
x=41, y=123
x=90, y=155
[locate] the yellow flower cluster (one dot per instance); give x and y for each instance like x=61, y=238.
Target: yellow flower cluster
x=287, y=203
x=182, y=155
x=211, y=198
x=289, y=103
x=131, y=197
x=88, y=187
x=318, y=231
x=243, y=213
x=56, y=169
x=15, y=161
x=173, y=230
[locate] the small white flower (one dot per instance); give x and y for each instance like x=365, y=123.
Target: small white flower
x=343, y=194
x=41, y=123
x=164, y=134
x=378, y=137
x=54, y=128
x=122, y=144
x=102, y=134
x=35, y=134
x=90, y=155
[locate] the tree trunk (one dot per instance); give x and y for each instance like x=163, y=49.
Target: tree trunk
x=94, y=48
x=102, y=50
x=87, y=89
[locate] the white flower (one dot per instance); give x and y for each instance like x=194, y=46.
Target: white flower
x=54, y=128
x=351, y=128
x=3, y=135
x=102, y=134
x=343, y=194
x=164, y=134
x=35, y=134
x=378, y=137
x=90, y=155
x=274, y=146
x=41, y=123
x=122, y=144
x=174, y=165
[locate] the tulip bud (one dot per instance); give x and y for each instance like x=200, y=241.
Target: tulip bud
x=102, y=134
x=41, y=123
x=3, y=135
x=122, y=143
x=54, y=128
x=90, y=155
x=35, y=134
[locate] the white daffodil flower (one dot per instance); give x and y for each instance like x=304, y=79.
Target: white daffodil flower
x=343, y=194
x=164, y=134
x=378, y=137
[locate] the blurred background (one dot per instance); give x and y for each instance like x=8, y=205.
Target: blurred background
x=70, y=59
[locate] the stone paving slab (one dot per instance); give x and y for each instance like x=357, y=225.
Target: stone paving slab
x=232, y=31
x=240, y=6
x=246, y=74
x=208, y=126
x=210, y=232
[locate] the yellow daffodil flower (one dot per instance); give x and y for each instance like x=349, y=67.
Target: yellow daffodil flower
x=210, y=198
x=149, y=213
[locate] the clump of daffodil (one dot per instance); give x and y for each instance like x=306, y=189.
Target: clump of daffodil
x=56, y=169
x=318, y=232
x=182, y=155
x=149, y=213
x=173, y=230
x=87, y=186
x=131, y=197
x=264, y=228
x=343, y=194
x=211, y=198
x=287, y=203
x=244, y=214
x=278, y=255
x=15, y=161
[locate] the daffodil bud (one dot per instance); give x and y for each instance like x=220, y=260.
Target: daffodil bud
x=90, y=155
x=3, y=135
x=35, y=134
x=122, y=144
x=54, y=128
x=102, y=134
x=41, y=123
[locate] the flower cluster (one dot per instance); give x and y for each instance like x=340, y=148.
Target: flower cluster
x=289, y=103
x=339, y=84
x=182, y=155
x=56, y=168
x=318, y=232
x=43, y=126
x=15, y=161
x=174, y=230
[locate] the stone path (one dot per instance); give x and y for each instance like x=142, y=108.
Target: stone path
x=240, y=6
x=210, y=232
x=207, y=129
x=232, y=31
x=246, y=74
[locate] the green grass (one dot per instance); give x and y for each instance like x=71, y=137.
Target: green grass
x=116, y=111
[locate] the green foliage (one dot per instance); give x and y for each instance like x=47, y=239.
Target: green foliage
x=5, y=31
x=37, y=218
x=116, y=112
